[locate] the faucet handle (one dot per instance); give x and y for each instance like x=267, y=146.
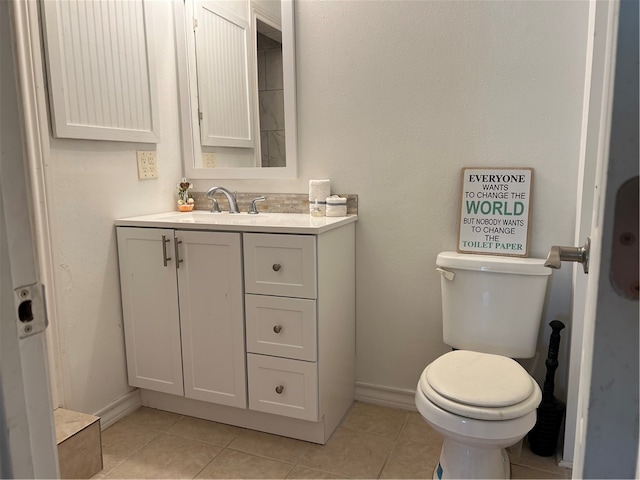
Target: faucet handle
x=253, y=210
x=215, y=208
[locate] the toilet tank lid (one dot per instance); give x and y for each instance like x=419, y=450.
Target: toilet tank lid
x=492, y=263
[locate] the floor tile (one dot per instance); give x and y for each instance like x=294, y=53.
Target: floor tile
x=373, y=441
x=122, y=440
x=411, y=460
x=416, y=430
x=272, y=446
x=168, y=456
x=309, y=473
x=233, y=464
x=205, y=431
x=349, y=453
x=369, y=418
x=519, y=471
x=529, y=459
x=152, y=418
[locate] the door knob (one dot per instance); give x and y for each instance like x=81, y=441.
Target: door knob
x=557, y=255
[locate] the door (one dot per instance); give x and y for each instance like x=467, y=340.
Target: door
x=27, y=434
x=150, y=308
x=212, y=316
x=606, y=416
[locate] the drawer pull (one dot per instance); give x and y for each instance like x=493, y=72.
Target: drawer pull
x=277, y=328
x=279, y=389
x=276, y=267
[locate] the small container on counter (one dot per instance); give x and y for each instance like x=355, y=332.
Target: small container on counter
x=336, y=206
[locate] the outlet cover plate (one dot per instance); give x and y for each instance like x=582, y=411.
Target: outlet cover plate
x=147, y=166
x=209, y=160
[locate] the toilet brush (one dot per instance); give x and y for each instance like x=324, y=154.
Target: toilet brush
x=543, y=438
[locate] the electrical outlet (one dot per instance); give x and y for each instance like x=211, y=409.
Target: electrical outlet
x=147, y=166
x=208, y=160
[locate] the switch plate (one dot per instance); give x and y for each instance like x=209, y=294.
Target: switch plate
x=147, y=166
x=209, y=160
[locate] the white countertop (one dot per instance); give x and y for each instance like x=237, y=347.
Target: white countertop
x=239, y=222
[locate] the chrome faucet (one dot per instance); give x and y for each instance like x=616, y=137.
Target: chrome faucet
x=569, y=254
x=233, y=204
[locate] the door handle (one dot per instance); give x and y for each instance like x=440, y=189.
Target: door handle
x=557, y=255
x=165, y=259
x=176, y=244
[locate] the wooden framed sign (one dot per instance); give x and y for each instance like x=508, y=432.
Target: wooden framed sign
x=494, y=211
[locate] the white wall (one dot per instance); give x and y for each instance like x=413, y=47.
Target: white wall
x=90, y=184
x=394, y=98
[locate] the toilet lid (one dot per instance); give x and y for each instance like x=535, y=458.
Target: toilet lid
x=484, y=388
x=479, y=379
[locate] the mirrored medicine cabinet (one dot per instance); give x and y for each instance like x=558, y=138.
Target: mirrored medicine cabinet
x=236, y=72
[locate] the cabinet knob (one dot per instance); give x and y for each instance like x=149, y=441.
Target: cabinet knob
x=279, y=389
x=277, y=328
x=276, y=267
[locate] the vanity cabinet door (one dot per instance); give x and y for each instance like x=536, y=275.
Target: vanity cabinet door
x=150, y=309
x=211, y=316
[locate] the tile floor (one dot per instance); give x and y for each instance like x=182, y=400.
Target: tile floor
x=372, y=442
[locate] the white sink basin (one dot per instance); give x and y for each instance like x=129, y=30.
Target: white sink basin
x=262, y=222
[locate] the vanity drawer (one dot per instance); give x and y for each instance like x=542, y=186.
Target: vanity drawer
x=283, y=386
x=283, y=265
x=281, y=326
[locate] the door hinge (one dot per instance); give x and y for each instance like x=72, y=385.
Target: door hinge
x=195, y=23
x=31, y=312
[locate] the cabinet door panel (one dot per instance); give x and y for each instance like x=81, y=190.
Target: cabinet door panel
x=150, y=309
x=212, y=318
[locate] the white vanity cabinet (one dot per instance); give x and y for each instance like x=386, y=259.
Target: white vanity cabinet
x=251, y=322
x=183, y=312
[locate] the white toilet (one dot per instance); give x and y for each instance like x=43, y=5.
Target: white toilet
x=476, y=396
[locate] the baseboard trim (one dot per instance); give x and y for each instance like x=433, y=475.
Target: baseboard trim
x=122, y=407
x=386, y=396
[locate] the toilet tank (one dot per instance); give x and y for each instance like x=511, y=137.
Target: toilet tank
x=492, y=304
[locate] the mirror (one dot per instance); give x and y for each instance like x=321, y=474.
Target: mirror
x=236, y=69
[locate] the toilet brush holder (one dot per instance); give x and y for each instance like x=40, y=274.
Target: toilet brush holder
x=543, y=438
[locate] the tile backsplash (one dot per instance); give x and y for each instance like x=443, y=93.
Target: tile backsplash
x=274, y=203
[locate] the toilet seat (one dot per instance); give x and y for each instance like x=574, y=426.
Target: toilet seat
x=480, y=386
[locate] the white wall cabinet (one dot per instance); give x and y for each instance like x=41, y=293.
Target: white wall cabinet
x=245, y=328
x=101, y=70
x=183, y=313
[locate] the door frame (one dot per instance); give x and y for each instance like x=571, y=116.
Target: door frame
x=28, y=441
